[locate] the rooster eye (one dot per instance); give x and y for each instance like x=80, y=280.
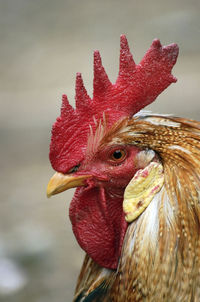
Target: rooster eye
x=118, y=155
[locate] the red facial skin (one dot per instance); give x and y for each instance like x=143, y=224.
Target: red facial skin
x=96, y=210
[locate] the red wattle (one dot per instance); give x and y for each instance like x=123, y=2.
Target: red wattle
x=98, y=224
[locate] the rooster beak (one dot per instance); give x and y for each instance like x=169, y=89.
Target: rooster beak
x=61, y=182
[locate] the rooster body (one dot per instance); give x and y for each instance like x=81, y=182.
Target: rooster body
x=155, y=254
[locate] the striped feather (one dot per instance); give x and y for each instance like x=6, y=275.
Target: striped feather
x=160, y=260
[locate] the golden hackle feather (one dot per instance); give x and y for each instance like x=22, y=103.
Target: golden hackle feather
x=160, y=260
x=93, y=278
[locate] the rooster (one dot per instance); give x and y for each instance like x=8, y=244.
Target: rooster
x=136, y=211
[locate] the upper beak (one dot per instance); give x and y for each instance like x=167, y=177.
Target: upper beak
x=61, y=182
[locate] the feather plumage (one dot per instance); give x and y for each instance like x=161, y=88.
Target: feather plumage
x=160, y=259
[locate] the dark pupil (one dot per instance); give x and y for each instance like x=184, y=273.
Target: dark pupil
x=117, y=154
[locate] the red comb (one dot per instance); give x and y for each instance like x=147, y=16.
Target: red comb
x=136, y=87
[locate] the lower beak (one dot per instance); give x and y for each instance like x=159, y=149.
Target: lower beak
x=60, y=182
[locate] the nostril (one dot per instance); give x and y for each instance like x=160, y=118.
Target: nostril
x=73, y=169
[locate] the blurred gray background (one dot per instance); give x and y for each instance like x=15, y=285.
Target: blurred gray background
x=43, y=44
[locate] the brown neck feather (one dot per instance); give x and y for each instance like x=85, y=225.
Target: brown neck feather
x=162, y=247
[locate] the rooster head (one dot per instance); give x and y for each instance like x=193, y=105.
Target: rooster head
x=86, y=154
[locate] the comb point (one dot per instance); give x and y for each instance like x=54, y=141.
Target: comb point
x=156, y=43
x=126, y=64
x=66, y=108
x=101, y=81
x=82, y=98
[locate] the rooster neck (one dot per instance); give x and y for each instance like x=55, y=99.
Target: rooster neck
x=162, y=247
x=160, y=257
x=156, y=260
x=163, y=253
x=99, y=225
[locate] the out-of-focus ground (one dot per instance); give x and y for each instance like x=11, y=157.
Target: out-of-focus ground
x=43, y=44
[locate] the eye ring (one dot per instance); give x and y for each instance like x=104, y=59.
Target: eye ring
x=118, y=155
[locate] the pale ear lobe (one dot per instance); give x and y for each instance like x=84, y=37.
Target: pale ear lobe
x=141, y=190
